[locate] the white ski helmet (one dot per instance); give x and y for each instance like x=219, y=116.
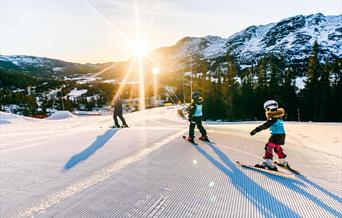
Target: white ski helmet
x=270, y=104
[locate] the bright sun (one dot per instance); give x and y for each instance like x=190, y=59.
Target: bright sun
x=139, y=48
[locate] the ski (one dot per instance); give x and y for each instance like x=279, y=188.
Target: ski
x=120, y=127
x=273, y=172
x=287, y=168
x=209, y=142
x=186, y=139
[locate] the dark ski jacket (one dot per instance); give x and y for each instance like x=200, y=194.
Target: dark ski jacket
x=117, y=105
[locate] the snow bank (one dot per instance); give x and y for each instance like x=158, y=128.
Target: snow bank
x=59, y=115
x=6, y=118
x=4, y=121
x=75, y=93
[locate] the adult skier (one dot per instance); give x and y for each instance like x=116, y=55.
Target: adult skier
x=117, y=107
x=275, y=123
x=196, y=117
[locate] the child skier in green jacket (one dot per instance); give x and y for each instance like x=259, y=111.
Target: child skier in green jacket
x=196, y=117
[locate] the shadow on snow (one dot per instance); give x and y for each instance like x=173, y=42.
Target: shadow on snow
x=267, y=204
x=98, y=143
x=332, y=195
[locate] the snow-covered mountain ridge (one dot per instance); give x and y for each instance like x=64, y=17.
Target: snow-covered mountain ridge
x=292, y=38
x=42, y=66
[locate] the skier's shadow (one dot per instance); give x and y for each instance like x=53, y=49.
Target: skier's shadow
x=267, y=204
x=296, y=187
x=332, y=195
x=98, y=143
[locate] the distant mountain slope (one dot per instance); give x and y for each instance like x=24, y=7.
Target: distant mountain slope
x=42, y=66
x=291, y=38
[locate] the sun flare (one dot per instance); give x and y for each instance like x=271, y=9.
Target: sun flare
x=155, y=70
x=139, y=48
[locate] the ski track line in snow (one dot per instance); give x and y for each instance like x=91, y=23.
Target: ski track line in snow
x=243, y=135
x=239, y=150
x=40, y=143
x=22, y=147
x=95, y=178
x=158, y=128
x=157, y=122
x=38, y=140
x=310, y=149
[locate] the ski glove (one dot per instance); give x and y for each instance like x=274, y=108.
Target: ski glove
x=255, y=131
x=190, y=118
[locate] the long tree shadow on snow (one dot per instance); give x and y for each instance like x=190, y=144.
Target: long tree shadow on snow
x=277, y=209
x=267, y=204
x=98, y=143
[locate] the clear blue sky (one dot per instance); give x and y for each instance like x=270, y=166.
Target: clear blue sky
x=101, y=30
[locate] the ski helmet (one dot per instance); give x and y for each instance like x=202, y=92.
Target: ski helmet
x=195, y=94
x=270, y=104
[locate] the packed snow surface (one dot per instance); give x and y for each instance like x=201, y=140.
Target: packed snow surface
x=13, y=118
x=59, y=115
x=80, y=167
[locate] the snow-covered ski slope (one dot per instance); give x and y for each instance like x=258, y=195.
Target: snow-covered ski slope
x=78, y=167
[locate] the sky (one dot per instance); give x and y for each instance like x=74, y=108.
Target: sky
x=97, y=31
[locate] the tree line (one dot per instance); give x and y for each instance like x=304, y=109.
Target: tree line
x=235, y=94
x=230, y=92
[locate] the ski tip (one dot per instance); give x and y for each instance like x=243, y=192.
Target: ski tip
x=288, y=168
x=186, y=139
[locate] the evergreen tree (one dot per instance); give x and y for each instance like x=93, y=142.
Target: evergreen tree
x=288, y=95
x=261, y=89
x=276, y=72
x=246, y=101
x=310, y=96
x=230, y=88
x=335, y=105
x=324, y=93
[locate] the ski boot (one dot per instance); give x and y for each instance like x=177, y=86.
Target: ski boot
x=267, y=164
x=115, y=126
x=124, y=126
x=191, y=139
x=283, y=163
x=204, y=138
